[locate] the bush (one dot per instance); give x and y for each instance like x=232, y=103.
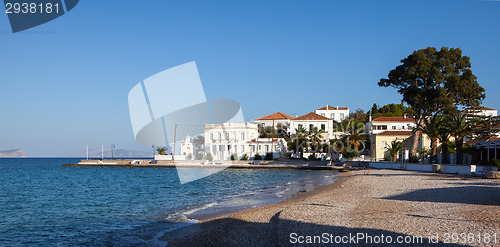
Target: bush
x=414, y=159
x=244, y=157
x=189, y=156
x=209, y=157
x=269, y=156
x=199, y=156
x=234, y=156
x=257, y=157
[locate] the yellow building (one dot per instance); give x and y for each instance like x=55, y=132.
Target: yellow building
x=381, y=143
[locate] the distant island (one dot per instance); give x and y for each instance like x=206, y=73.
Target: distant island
x=117, y=153
x=14, y=153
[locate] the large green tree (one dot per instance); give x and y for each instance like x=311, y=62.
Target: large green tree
x=432, y=82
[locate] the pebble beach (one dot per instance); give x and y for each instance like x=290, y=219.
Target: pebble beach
x=365, y=208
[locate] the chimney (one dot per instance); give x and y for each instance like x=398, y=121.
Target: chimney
x=404, y=115
x=337, y=108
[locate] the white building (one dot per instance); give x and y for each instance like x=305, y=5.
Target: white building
x=222, y=140
x=336, y=113
x=274, y=119
x=187, y=147
x=311, y=120
x=382, y=124
x=481, y=111
x=262, y=146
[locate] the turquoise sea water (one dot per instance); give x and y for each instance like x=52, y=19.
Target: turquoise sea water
x=45, y=204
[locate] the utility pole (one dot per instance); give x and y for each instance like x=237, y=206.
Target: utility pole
x=87, y=152
x=102, y=152
x=112, y=154
x=175, y=135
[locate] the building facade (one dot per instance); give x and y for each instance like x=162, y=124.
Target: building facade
x=481, y=111
x=382, y=124
x=222, y=140
x=311, y=120
x=335, y=113
x=274, y=120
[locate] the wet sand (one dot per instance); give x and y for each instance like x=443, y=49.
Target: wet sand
x=402, y=205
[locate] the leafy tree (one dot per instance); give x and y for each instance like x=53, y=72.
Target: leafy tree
x=433, y=81
x=199, y=156
x=359, y=115
x=391, y=110
x=190, y=156
x=269, y=156
x=209, y=156
x=395, y=148
x=161, y=150
x=257, y=157
x=198, y=143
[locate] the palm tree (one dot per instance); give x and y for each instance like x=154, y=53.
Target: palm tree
x=355, y=134
x=430, y=127
x=444, y=134
x=395, y=148
x=315, y=136
x=299, y=139
x=161, y=150
x=459, y=128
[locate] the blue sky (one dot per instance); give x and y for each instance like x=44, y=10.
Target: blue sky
x=64, y=84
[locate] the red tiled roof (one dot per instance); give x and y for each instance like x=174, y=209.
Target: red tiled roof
x=329, y=107
x=277, y=115
x=478, y=108
x=482, y=139
x=395, y=133
x=394, y=119
x=311, y=116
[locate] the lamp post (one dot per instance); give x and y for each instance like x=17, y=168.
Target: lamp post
x=112, y=153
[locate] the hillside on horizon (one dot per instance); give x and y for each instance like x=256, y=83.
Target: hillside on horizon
x=13, y=153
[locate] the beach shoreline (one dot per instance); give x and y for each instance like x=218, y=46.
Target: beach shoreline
x=378, y=202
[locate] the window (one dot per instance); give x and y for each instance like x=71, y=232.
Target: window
x=393, y=127
x=211, y=136
x=384, y=144
x=227, y=136
x=235, y=149
x=221, y=148
x=243, y=136
x=384, y=127
x=322, y=114
x=242, y=148
x=260, y=147
x=311, y=126
x=332, y=115
x=267, y=148
x=300, y=126
x=252, y=148
x=403, y=127
x=341, y=116
x=220, y=136
x=214, y=149
x=323, y=127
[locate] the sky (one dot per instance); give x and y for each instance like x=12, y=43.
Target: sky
x=64, y=84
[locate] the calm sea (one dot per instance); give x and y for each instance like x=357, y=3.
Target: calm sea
x=45, y=204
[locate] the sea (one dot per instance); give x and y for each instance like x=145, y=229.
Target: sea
x=43, y=203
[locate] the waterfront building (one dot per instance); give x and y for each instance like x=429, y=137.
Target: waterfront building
x=274, y=119
x=382, y=124
x=481, y=111
x=187, y=148
x=310, y=120
x=335, y=113
x=222, y=140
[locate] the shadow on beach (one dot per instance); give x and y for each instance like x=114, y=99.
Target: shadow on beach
x=480, y=195
x=277, y=232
